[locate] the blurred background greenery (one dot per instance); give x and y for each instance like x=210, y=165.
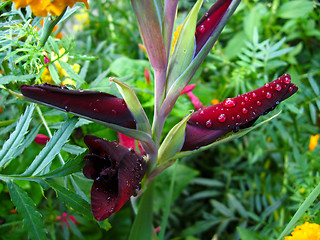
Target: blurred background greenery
x=250, y=186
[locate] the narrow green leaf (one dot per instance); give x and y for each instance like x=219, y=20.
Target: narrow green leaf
x=54, y=74
x=302, y=209
x=71, y=72
x=54, y=45
x=32, y=221
x=184, y=47
x=134, y=105
x=246, y=234
x=10, y=78
x=73, y=149
x=72, y=199
x=71, y=166
x=173, y=142
x=314, y=85
x=142, y=225
x=295, y=9
x=53, y=147
x=12, y=144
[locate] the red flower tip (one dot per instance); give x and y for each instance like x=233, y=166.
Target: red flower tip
x=188, y=88
x=208, y=124
x=41, y=139
x=147, y=75
x=94, y=105
x=117, y=172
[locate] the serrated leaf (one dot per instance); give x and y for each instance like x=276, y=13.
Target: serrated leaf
x=184, y=47
x=32, y=221
x=72, y=199
x=12, y=144
x=53, y=147
x=69, y=167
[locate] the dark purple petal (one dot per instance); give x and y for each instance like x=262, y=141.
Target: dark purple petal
x=208, y=124
x=209, y=22
x=95, y=105
x=117, y=172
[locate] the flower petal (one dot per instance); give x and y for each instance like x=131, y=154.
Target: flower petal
x=111, y=191
x=208, y=124
x=95, y=105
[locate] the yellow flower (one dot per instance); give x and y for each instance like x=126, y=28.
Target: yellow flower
x=175, y=37
x=83, y=18
x=214, y=101
x=306, y=231
x=313, y=142
x=41, y=8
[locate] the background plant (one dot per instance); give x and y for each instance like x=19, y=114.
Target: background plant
x=235, y=188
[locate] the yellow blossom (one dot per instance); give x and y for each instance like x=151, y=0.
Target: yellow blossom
x=41, y=8
x=313, y=142
x=214, y=101
x=306, y=231
x=175, y=37
x=83, y=19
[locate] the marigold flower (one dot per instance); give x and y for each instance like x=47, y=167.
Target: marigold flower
x=41, y=8
x=306, y=231
x=313, y=142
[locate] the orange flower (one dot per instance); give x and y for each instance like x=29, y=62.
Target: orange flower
x=306, y=231
x=313, y=142
x=41, y=8
x=214, y=101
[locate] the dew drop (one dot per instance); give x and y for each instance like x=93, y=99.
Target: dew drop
x=67, y=108
x=278, y=87
x=222, y=117
x=258, y=103
x=202, y=29
x=290, y=89
x=96, y=110
x=208, y=20
x=208, y=123
x=268, y=95
x=232, y=118
x=229, y=102
x=114, y=112
x=197, y=123
x=254, y=94
x=277, y=102
x=287, y=80
x=242, y=103
x=201, y=112
x=267, y=85
x=238, y=116
x=253, y=113
x=244, y=110
x=246, y=98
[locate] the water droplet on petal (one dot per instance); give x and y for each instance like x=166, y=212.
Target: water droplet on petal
x=67, y=108
x=254, y=94
x=202, y=29
x=290, y=89
x=246, y=98
x=258, y=103
x=222, y=117
x=242, y=103
x=208, y=123
x=208, y=20
x=232, y=118
x=238, y=116
x=114, y=112
x=287, y=80
x=267, y=85
x=96, y=110
x=278, y=87
x=268, y=95
x=201, y=112
x=244, y=110
x=229, y=102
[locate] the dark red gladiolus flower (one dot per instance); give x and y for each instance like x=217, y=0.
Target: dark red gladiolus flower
x=209, y=22
x=95, y=105
x=41, y=139
x=208, y=124
x=117, y=172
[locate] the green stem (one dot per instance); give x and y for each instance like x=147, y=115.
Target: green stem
x=48, y=28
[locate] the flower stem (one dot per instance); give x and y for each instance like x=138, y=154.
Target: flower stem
x=48, y=28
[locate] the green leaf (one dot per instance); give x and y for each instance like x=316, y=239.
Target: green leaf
x=53, y=147
x=295, y=9
x=73, y=149
x=173, y=141
x=32, y=221
x=142, y=225
x=71, y=72
x=10, y=78
x=15, y=140
x=54, y=74
x=134, y=106
x=71, y=166
x=72, y=199
x=184, y=47
x=246, y=234
x=302, y=209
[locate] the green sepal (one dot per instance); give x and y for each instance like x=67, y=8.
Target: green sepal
x=184, y=48
x=173, y=142
x=134, y=105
